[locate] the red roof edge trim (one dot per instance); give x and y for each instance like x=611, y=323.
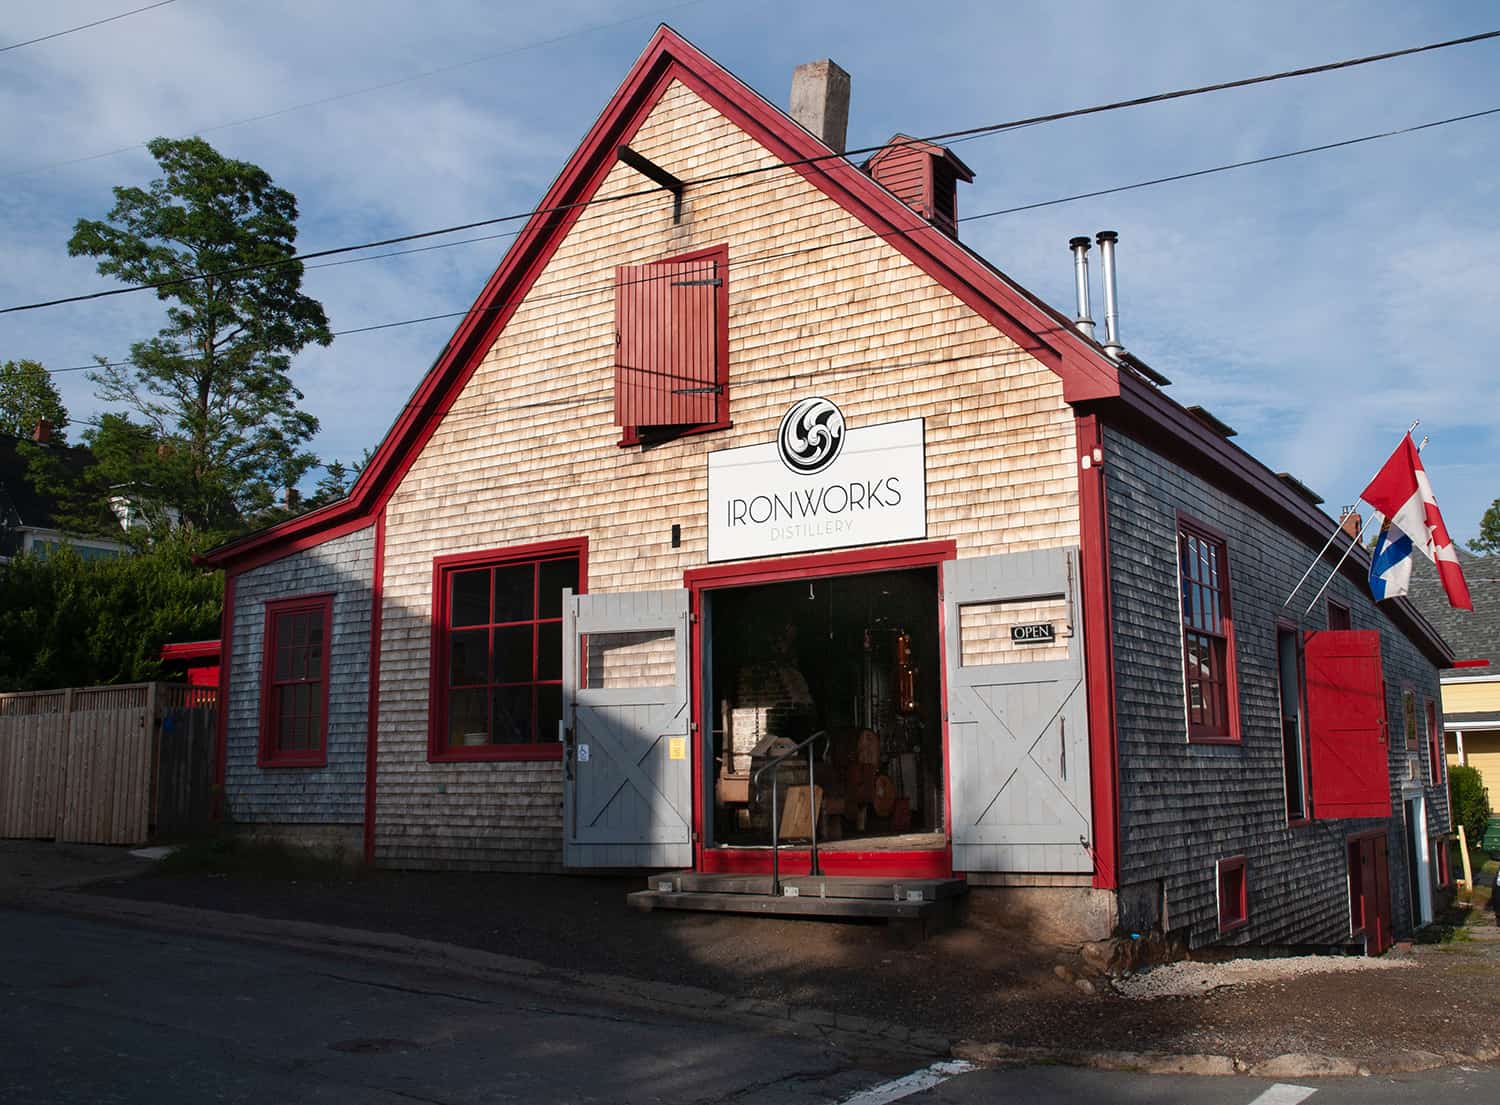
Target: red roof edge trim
x=191, y=650
x=1085, y=372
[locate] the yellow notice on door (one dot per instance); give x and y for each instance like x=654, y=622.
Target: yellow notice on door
x=676, y=748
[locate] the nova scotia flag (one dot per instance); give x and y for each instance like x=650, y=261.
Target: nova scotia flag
x=1390, y=566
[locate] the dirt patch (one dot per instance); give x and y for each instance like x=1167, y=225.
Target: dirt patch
x=976, y=983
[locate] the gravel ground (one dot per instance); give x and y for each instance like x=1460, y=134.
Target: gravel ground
x=1185, y=980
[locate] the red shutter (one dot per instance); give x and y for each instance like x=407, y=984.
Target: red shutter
x=1347, y=740
x=666, y=343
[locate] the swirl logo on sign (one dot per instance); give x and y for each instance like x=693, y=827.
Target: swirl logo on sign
x=811, y=436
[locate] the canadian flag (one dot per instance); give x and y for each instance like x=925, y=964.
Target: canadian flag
x=1400, y=491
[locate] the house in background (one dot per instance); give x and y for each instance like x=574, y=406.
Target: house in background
x=27, y=514
x=767, y=454
x=1471, y=689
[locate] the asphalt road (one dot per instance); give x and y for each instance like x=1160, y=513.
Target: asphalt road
x=97, y=1013
x=102, y=1014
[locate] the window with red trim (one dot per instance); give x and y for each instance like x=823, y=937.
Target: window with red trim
x=672, y=346
x=294, y=682
x=1338, y=616
x=1234, y=899
x=1441, y=874
x=1409, y=717
x=1207, y=635
x=498, y=650
x=1435, y=759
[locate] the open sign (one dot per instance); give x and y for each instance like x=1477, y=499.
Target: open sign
x=1034, y=634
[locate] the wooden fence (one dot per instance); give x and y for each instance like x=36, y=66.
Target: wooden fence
x=106, y=765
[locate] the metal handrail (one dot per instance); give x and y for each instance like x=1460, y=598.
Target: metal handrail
x=775, y=813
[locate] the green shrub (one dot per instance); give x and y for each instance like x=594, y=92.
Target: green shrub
x=70, y=622
x=1469, y=801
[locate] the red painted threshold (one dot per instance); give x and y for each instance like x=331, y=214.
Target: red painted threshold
x=934, y=864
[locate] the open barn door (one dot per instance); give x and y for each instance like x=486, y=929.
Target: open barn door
x=1017, y=714
x=628, y=770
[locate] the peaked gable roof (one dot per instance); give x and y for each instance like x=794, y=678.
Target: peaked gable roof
x=1084, y=369
x=1091, y=379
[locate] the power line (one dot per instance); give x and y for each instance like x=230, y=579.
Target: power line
x=894, y=232
x=349, y=94
x=84, y=27
x=971, y=132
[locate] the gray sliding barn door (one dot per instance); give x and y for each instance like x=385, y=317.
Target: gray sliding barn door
x=628, y=769
x=1017, y=714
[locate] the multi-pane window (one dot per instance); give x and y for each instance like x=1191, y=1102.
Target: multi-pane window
x=294, y=682
x=499, y=652
x=1207, y=639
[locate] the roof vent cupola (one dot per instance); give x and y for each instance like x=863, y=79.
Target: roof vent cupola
x=923, y=176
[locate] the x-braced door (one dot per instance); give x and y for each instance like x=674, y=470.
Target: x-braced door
x=1017, y=714
x=628, y=784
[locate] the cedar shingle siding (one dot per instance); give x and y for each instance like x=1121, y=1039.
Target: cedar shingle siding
x=529, y=451
x=1182, y=806
x=331, y=795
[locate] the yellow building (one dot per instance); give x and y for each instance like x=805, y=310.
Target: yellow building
x=1471, y=693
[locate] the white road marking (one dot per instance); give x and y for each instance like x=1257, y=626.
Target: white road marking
x=1284, y=1094
x=915, y=1082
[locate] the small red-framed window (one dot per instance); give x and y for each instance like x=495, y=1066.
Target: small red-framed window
x=1208, y=659
x=497, y=651
x=1234, y=896
x=1436, y=763
x=672, y=346
x=1338, y=616
x=294, y=682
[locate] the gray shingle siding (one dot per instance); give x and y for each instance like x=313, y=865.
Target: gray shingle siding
x=1184, y=806
x=328, y=795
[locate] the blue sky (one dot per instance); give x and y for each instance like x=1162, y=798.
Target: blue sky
x=1318, y=305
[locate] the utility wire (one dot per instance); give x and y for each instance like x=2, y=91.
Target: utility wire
x=345, y=95
x=873, y=235
x=84, y=27
x=757, y=170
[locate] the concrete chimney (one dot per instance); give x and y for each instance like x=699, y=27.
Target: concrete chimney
x=820, y=101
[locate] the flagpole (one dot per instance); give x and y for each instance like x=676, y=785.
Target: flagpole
x=1350, y=549
x=1327, y=544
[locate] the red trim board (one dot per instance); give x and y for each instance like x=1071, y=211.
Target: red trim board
x=1098, y=649
x=372, y=707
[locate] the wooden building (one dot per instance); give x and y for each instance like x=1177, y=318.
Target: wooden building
x=740, y=445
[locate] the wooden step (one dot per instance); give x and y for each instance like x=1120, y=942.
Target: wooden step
x=811, y=886
x=786, y=906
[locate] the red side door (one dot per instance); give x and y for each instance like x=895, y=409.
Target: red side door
x=1347, y=741
x=1379, y=910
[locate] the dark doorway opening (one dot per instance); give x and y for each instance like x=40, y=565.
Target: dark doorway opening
x=855, y=658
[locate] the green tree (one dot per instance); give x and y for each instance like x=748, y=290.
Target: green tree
x=26, y=395
x=215, y=237
x=1488, y=541
x=70, y=622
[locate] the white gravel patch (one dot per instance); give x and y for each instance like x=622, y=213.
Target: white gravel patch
x=1188, y=980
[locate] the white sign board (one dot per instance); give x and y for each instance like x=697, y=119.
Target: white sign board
x=818, y=486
